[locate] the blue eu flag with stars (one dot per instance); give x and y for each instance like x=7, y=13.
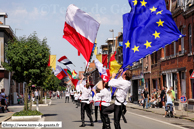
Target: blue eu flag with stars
x=147, y=28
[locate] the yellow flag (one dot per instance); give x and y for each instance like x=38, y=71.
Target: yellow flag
x=99, y=57
x=53, y=61
x=95, y=50
x=114, y=66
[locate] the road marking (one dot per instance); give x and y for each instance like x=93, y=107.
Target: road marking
x=157, y=120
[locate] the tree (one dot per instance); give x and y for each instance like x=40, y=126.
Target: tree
x=28, y=60
x=51, y=83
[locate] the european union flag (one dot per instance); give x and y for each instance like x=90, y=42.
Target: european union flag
x=147, y=28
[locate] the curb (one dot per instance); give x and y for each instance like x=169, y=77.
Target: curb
x=175, y=116
x=25, y=117
x=6, y=118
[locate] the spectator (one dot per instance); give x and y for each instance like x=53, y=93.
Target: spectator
x=58, y=94
x=3, y=97
x=173, y=93
x=152, y=101
x=162, y=96
x=18, y=98
x=169, y=98
x=61, y=94
x=145, y=97
x=141, y=101
x=33, y=96
x=36, y=94
x=67, y=94
x=7, y=103
x=158, y=100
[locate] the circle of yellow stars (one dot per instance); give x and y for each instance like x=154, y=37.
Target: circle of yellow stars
x=156, y=34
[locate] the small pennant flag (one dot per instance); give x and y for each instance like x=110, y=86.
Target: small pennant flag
x=64, y=60
x=59, y=73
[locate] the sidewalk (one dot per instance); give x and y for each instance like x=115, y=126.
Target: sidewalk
x=12, y=109
x=161, y=111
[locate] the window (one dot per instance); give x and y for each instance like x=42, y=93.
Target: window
x=190, y=36
x=164, y=52
x=174, y=48
x=182, y=42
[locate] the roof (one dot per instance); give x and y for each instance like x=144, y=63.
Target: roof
x=4, y=14
x=110, y=39
x=8, y=29
x=102, y=46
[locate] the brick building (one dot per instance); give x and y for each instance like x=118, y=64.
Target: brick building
x=177, y=58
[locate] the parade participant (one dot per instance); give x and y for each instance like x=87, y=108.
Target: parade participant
x=76, y=98
x=91, y=102
x=79, y=101
x=67, y=94
x=96, y=104
x=72, y=95
x=105, y=95
x=86, y=90
x=122, y=84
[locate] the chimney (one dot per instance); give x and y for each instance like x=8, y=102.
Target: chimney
x=3, y=17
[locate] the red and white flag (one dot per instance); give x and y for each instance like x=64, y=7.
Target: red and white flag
x=80, y=30
x=104, y=73
x=59, y=73
x=64, y=60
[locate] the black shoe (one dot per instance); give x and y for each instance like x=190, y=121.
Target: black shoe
x=92, y=124
x=83, y=125
x=76, y=107
x=95, y=121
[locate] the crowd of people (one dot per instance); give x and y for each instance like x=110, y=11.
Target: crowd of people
x=158, y=98
x=4, y=101
x=86, y=96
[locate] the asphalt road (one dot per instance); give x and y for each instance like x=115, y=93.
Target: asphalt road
x=136, y=119
x=70, y=117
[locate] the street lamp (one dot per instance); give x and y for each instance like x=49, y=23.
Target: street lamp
x=113, y=37
x=17, y=29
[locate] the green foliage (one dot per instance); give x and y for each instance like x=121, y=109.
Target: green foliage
x=51, y=82
x=27, y=113
x=61, y=88
x=39, y=102
x=28, y=58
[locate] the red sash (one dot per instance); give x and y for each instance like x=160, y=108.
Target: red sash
x=101, y=103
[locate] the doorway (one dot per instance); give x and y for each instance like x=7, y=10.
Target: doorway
x=183, y=83
x=135, y=90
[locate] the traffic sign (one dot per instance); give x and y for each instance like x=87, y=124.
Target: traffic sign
x=192, y=75
x=183, y=99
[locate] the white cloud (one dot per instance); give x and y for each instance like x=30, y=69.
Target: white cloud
x=21, y=15
x=109, y=20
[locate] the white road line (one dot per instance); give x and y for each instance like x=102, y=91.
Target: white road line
x=157, y=120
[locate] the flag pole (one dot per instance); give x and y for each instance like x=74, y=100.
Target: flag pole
x=86, y=68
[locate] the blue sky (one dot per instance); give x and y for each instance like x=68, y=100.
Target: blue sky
x=47, y=18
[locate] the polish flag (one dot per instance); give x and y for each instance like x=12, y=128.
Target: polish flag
x=80, y=30
x=59, y=73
